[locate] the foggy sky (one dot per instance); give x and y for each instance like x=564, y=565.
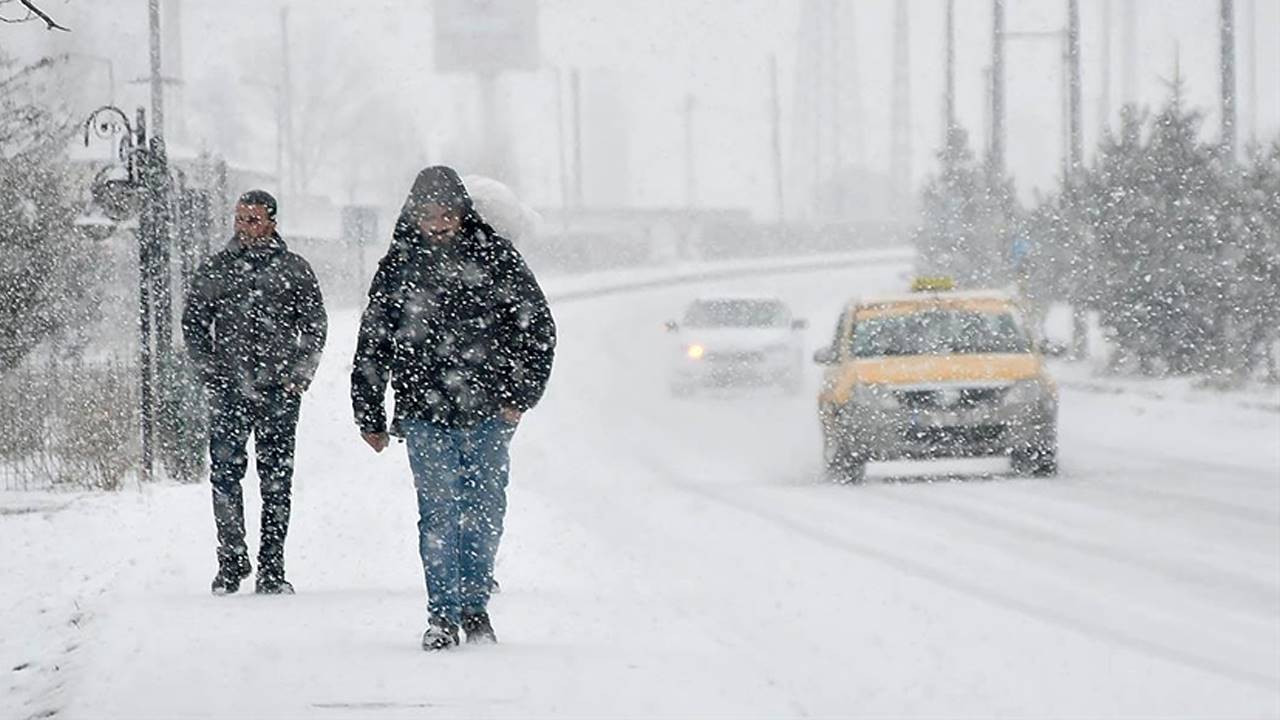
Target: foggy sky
x=373, y=61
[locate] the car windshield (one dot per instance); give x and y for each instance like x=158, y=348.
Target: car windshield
x=939, y=331
x=735, y=313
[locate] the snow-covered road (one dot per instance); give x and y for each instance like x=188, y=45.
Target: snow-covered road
x=683, y=557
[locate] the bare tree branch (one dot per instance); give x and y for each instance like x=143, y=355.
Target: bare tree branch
x=33, y=13
x=41, y=14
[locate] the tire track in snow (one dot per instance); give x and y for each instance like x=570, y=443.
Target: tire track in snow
x=957, y=582
x=978, y=515
x=917, y=567
x=1191, y=500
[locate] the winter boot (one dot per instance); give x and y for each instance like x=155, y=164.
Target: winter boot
x=271, y=573
x=478, y=628
x=230, y=573
x=272, y=585
x=441, y=634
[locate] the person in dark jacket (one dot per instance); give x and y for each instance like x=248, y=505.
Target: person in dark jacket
x=457, y=324
x=254, y=326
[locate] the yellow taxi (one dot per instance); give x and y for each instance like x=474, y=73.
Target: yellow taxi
x=935, y=373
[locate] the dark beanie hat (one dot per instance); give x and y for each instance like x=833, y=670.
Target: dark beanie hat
x=261, y=198
x=438, y=185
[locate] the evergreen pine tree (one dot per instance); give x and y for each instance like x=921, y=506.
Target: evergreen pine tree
x=968, y=221
x=47, y=267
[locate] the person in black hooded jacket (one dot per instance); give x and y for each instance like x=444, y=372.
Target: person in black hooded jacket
x=458, y=325
x=254, y=326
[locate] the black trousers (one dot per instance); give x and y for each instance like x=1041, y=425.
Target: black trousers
x=271, y=416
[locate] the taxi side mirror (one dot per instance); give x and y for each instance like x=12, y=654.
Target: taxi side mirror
x=825, y=356
x=671, y=326
x=1052, y=349
x=799, y=324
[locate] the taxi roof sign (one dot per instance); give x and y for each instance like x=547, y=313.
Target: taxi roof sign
x=938, y=283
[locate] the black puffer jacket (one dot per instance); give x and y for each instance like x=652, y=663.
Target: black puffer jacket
x=461, y=329
x=255, y=318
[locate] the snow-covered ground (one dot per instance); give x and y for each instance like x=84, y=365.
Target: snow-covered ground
x=684, y=558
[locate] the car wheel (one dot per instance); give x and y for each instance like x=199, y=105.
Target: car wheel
x=1037, y=460
x=841, y=465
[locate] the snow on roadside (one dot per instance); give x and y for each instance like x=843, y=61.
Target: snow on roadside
x=64, y=556
x=66, y=553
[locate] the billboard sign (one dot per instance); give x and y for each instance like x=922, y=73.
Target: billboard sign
x=486, y=36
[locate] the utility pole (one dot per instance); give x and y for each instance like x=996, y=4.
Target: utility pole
x=995, y=158
x=775, y=128
x=575, y=90
x=157, y=79
x=1104, y=92
x=987, y=127
x=690, y=167
x=1226, y=27
x=155, y=234
x=900, y=132
x=832, y=25
x=146, y=265
x=561, y=152
x=949, y=93
x=1075, y=153
x=1252, y=25
x=813, y=12
x=1129, y=45
x=854, y=75
x=286, y=100
x=1075, y=121
x=492, y=148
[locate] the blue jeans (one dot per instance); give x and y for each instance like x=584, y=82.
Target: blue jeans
x=461, y=478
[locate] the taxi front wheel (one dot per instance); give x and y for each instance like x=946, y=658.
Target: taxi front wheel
x=842, y=466
x=1037, y=460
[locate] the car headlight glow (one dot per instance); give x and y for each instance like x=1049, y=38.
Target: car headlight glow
x=695, y=352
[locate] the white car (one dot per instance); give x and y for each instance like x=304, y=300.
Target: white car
x=734, y=341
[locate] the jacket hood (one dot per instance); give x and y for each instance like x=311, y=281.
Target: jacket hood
x=440, y=185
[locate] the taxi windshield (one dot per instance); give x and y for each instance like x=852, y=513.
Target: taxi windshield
x=735, y=313
x=938, y=331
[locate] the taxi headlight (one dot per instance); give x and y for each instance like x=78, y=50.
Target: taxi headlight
x=695, y=352
x=874, y=396
x=1024, y=392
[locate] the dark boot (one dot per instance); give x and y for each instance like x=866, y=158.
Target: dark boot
x=230, y=573
x=478, y=628
x=228, y=515
x=441, y=634
x=271, y=574
x=272, y=585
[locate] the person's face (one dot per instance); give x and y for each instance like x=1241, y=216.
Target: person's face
x=438, y=222
x=253, y=222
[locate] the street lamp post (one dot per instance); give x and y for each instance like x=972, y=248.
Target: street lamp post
x=139, y=193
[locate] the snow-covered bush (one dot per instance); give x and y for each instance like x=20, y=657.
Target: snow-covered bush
x=67, y=424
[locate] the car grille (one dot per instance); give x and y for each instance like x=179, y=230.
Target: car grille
x=961, y=398
x=954, y=434
x=735, y=358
